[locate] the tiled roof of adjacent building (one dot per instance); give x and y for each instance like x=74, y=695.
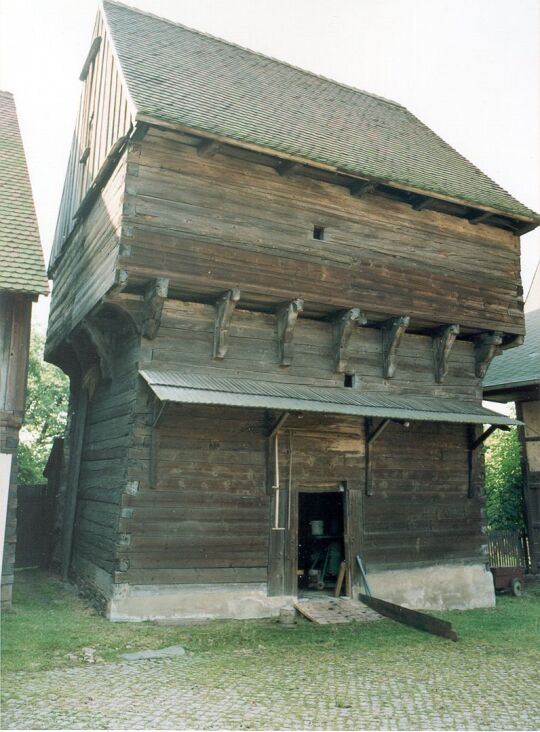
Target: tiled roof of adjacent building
x=520, y=366
x=188, y=78
x=21, y=258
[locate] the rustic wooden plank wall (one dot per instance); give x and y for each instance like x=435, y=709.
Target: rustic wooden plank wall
x=185, y=342
x=104, y=116
x=420, y=512
x=209, y=224
x=205, y=516
x=108, y=436
x=88, y=263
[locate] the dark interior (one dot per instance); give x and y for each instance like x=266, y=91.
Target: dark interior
x=320, y=548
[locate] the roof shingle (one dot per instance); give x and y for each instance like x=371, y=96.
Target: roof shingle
x=22, y=267
x=186, y=77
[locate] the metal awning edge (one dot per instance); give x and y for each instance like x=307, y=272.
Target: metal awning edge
x=188, y=395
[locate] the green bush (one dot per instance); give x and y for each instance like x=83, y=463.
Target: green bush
x=45, y=418
x=504, y=483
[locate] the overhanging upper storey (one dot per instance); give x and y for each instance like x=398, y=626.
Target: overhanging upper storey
x=193, y=81
x=143, y=70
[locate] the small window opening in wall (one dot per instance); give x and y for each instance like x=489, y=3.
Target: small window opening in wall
x=318, y=232
x=349, y=380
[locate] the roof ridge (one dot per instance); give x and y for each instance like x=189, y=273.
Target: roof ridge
x=342, y=84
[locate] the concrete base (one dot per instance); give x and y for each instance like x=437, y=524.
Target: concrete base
x=441, y=587
x=238, y=601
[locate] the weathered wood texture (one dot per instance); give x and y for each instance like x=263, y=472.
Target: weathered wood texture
x=88, y=267
x=420, y=512
x=109, y=434
x=185, y=341
x=104, y=116
x=217, y=222
x=206, y=517
x=15, y=314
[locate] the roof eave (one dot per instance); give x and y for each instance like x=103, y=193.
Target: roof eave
x=142, y=117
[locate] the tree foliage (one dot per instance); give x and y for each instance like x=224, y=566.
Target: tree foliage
x=504, y=483
x=45, y=418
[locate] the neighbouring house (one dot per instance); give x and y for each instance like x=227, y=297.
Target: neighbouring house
x=276, y=297
x=515, y=377
x=22, y=280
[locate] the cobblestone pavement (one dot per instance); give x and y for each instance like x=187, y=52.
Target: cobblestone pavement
x=256, y=690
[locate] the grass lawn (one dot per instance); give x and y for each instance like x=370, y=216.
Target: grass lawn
x=50, y=625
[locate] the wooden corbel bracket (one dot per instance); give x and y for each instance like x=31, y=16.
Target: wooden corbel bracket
x=286, y=320
x=443, y=341
x=154, y=299
x=343, y=324
x=486, y=347
x=102, y=346
x=392, y=333
x=224, y=311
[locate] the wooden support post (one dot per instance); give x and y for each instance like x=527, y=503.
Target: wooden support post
x=371, y=435
x=224, y=311
x=486, y=347
x=288, y=167
x=102, y=345
x=359, y=188
x=442, y=345
x=78, y=422
x=392, y=333
x=286, y=320
x=343, y=325
x=154, y=299
x=208, y=148
x=279, y=424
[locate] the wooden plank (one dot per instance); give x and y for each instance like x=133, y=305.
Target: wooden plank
x=413, y=618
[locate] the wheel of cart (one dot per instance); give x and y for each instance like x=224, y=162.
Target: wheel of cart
x=509, y=579
x=507, y=560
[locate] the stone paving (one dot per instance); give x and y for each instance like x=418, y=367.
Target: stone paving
x=257, y=690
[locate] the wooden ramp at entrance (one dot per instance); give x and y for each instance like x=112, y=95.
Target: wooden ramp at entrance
x=327, y=611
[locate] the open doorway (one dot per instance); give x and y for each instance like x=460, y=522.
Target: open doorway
x=321, y=547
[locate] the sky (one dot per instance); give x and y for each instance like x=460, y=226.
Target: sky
x=469, y=69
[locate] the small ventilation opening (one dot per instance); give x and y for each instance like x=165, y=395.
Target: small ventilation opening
x=318, y=232
x=348, y=380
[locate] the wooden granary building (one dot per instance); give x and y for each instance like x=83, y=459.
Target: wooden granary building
x=22, y=281
x=276, y=297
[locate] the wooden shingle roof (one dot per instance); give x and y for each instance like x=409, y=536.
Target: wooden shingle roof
x=21, y=258
x=185, y=77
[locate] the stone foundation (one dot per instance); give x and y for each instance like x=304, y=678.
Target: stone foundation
x=238, y=601
x=441, y=587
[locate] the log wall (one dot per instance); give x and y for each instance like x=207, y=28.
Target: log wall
x=212, y=223
x=88, y=264
x=103, y=479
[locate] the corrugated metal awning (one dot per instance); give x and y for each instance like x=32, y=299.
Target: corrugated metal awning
x=188, y=388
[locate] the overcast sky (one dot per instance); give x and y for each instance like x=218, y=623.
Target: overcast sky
x=470, y=69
